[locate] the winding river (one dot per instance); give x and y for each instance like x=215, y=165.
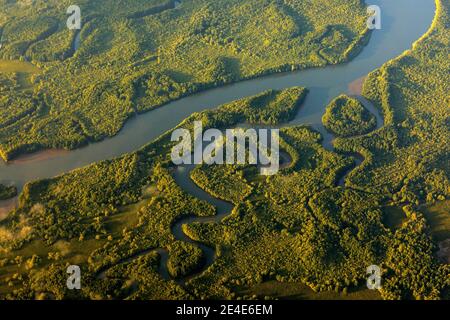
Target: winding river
x=403, y=22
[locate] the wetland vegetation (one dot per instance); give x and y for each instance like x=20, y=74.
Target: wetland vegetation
x=137, y=55
x=297, y=230
x=346, y=117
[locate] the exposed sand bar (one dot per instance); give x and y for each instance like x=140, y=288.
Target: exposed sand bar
x=46, y=154
x=355, y=87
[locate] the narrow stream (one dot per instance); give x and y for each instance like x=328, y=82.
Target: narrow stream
x=76, y=41
x=404, y=21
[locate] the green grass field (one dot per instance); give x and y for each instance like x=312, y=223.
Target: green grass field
x=295, y=235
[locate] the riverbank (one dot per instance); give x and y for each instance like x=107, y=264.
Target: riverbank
x=277, y=234
x=324, y=83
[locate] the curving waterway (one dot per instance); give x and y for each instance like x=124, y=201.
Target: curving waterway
x=403, y=22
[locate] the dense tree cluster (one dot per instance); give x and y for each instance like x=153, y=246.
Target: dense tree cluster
x=114, y=218
x=217, y=179
x=346, y=117
x=411, y=270
x=146, y=53
x=407, y=159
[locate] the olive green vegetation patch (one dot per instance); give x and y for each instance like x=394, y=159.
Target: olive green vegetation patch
x=346, y=116
x=298, y=291
x=147, y=53
x=438, y=218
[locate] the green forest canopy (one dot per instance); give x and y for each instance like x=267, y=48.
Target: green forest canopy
x=146, y=53
x=7, y=192
x=346, y=116
x=296, y=227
